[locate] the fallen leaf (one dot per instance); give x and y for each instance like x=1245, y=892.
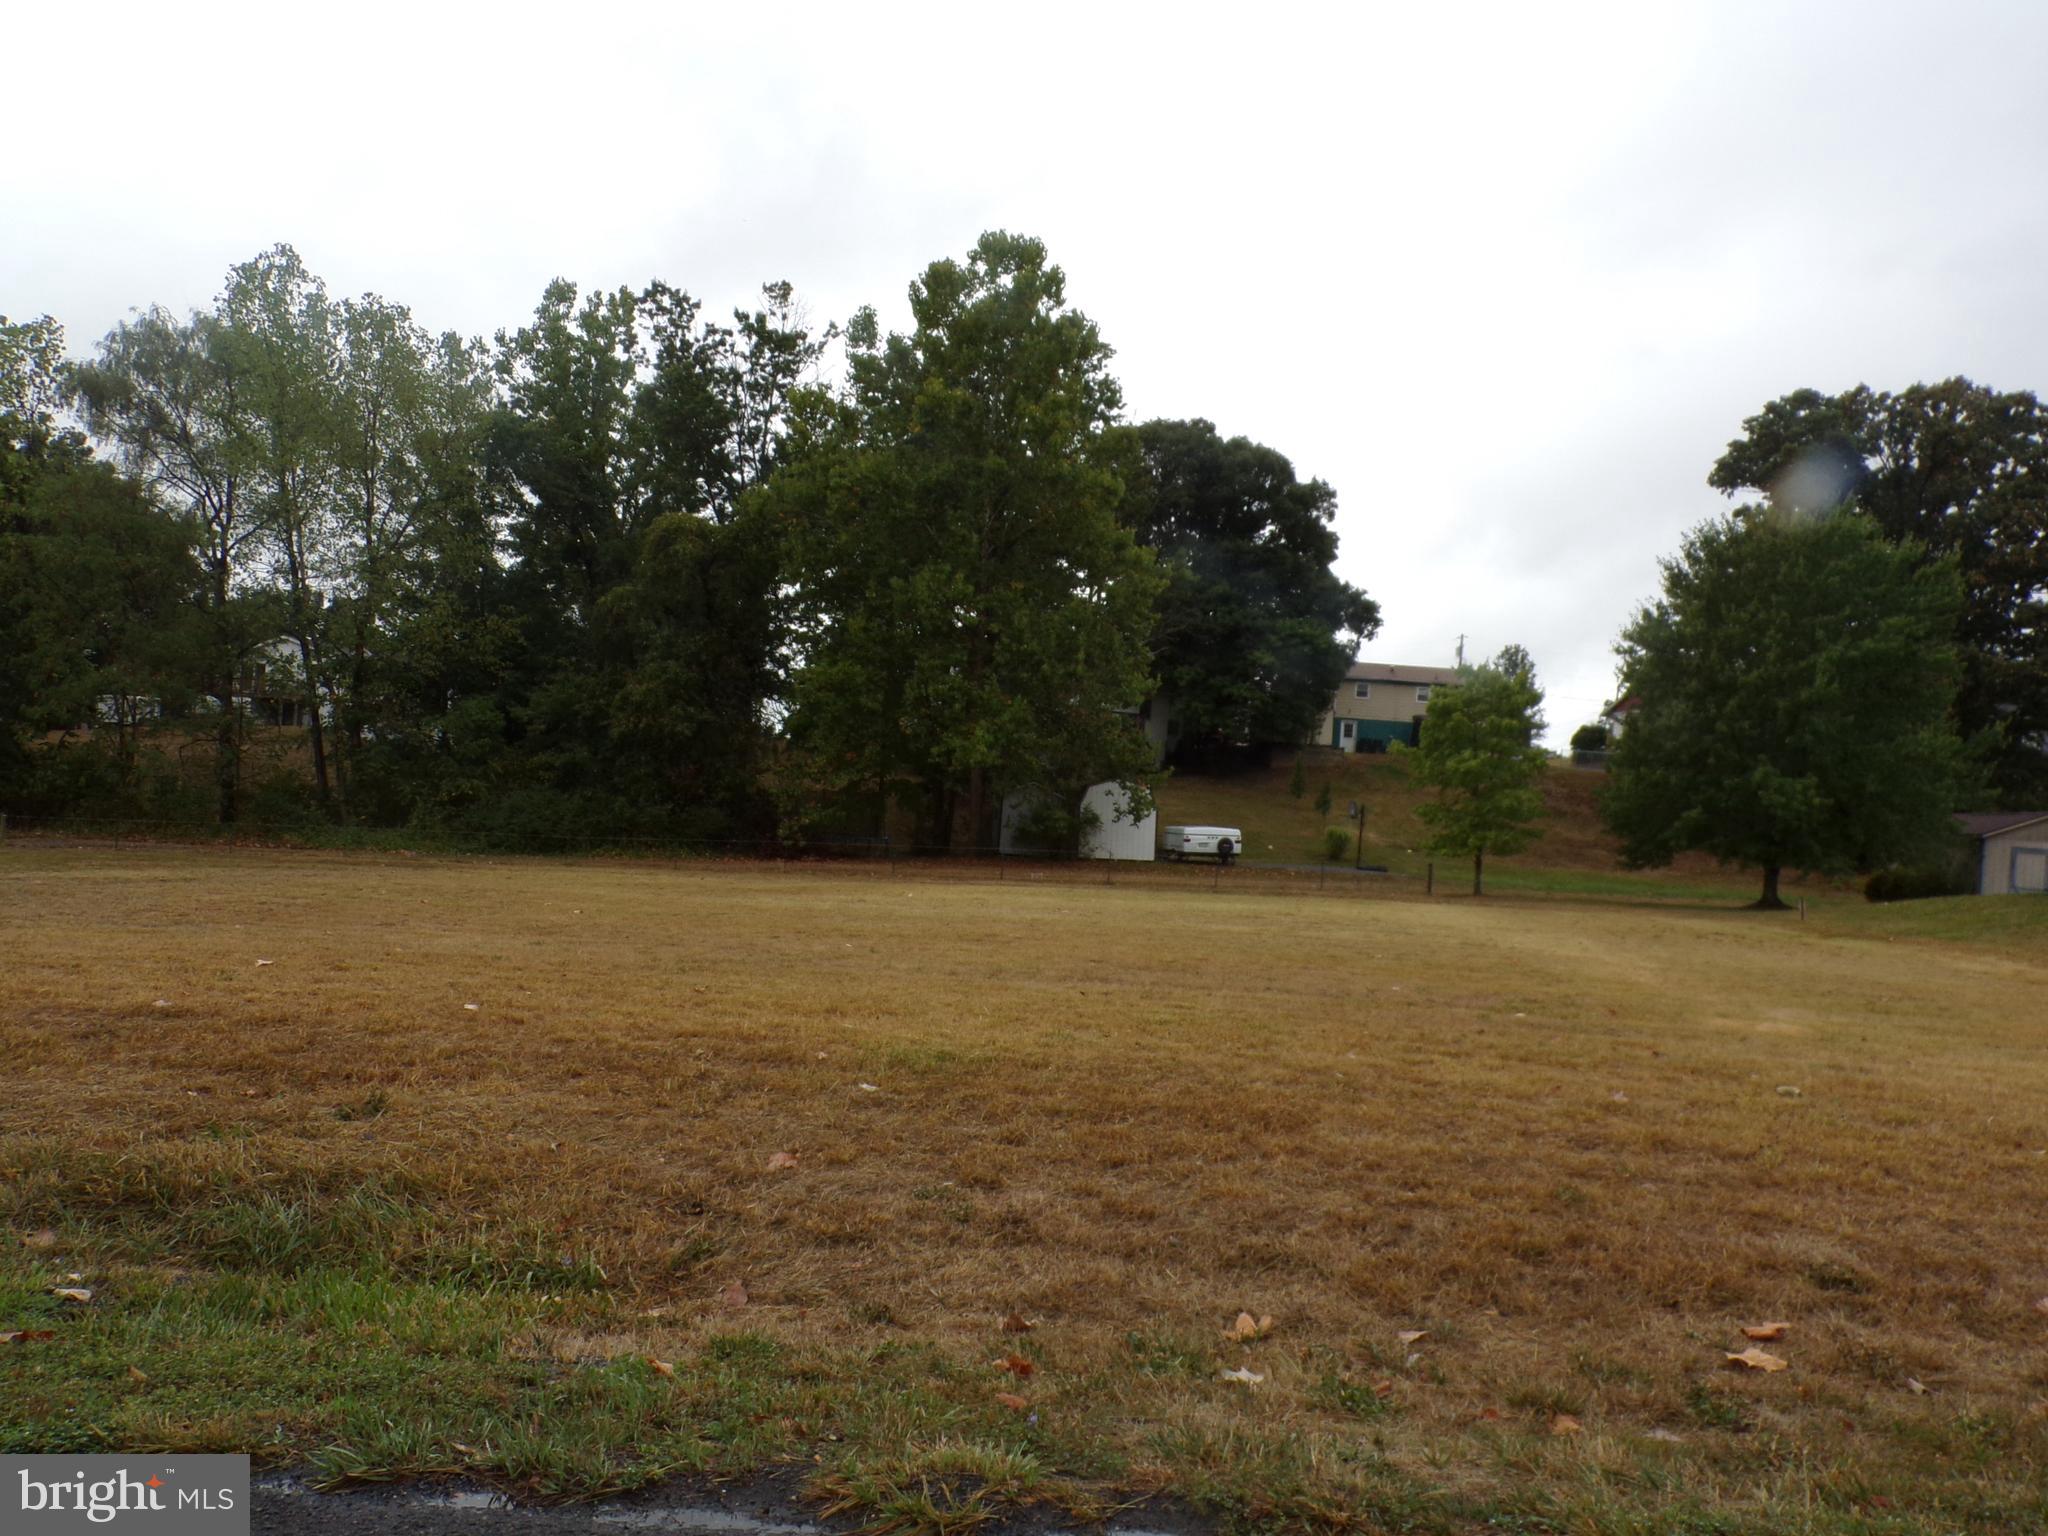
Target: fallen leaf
x=1787, y=1091
x=249, y=1093
x=471, y=1007
x=140, y=1378
x=1016, y=1365
x=1564, y=1424
x=1618, y=1096
x=1764, y=1333
x=1916, y=1386
x=1412, y=1335
x=1248, y=1377
x=70, y=1293
x=781, y=1160
x=661, y=1367
x=734, y=1295
x=40, y=1240
x=1756, y=1360
x=28, y=1335
x=1013, y=1402
x=1489, y=1413
x=266, y=962
x=2041, y=1306
x=1016, y=1322
x=1384, y=1387
x=869, y=1088
x=1669, y=1437
x=467, y=1450
x=1247, y=1328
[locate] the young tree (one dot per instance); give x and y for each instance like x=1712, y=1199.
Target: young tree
x=1950, y=470
x=1795, y=678
x=970, y=615
x=1255, y=630
x=1477, y=753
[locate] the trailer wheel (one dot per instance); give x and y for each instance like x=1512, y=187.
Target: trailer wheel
x=1225, y=848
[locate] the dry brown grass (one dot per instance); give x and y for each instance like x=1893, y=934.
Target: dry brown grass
x=1552, y=1134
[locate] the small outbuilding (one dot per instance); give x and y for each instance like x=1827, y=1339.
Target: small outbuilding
x=2011, y=849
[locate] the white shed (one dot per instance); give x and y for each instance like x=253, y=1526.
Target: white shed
x=2012, y=851
x=1115, y=834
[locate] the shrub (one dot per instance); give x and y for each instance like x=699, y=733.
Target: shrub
x=1336, y=843
x=1590, y=738
x=1917, y=882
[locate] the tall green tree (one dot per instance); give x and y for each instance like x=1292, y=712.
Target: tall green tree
x=1255, y=630
x=1952, y=470
x=971, y=617
x=1476, y=752
x=169, y=398
x=96, y=586
x=1796, y=678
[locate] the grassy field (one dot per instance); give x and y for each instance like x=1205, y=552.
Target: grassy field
x=573, y=1177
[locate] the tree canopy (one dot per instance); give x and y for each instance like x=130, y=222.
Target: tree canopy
x=1254, y=631
x=627, y=570
x=1795, y=680
x=1952, y=470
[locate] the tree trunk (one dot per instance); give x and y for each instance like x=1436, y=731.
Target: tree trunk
x=315, y=734
x=227, y=758
x=1770, y=901
x=976, y=784
x=1479, y=873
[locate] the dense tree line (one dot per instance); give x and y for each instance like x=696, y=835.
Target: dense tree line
x=630, y=570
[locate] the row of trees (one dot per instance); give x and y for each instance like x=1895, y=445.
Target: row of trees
x=626, y=569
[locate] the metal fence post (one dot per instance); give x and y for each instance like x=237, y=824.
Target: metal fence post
x=1430, y=888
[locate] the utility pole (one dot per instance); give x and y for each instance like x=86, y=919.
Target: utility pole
x=1461, y=650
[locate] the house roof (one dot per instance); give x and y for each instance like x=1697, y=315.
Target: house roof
x=1387, y=672
x=1991, y=823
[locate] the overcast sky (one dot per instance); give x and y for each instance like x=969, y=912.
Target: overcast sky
x=1507, y=276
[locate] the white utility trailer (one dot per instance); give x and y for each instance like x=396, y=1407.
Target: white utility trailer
x=1221, y=843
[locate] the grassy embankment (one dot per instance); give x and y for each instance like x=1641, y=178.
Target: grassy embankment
x=330, y=1214
x=1574, y=856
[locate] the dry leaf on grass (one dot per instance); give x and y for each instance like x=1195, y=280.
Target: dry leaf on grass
x=1247, y=1328
x=1249, y=1377
x=661, y=1367
x=266, y=962
x=1564, y=1424
x=140, y=1378
x=40, y=1240
x=2041, y=1306
x=1016, y=1365
x=471, y=1007
x=1013, y=1402
x=734, y=1295
x=71, y=1293
x=1916, y=1386
x=28, y=1335
x=1016, y=1322
x=1756, y=1360
x=781, y=1160
x=1764, y=1333
x=1489, y=1414
x=1669, y=1437
x=1412, y=1335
